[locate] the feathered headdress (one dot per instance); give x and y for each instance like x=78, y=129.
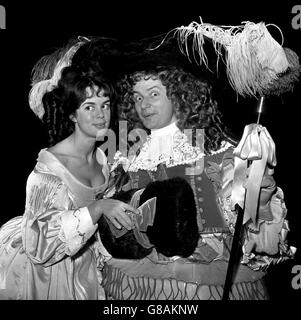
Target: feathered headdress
x=47, y=72
x=256, y=63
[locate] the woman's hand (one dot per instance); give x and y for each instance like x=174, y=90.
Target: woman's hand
x=114, y=210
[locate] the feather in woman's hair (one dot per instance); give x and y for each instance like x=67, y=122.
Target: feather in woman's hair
x=44, y=67
x=47, y=72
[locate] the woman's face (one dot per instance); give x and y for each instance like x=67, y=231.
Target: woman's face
x=154, y=108
x=93, y=115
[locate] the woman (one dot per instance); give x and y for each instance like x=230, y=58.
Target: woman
x=52, y=251
x=165, y=101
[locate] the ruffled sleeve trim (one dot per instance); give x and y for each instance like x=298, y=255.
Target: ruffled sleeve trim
x=76, y=228
x=268, y=244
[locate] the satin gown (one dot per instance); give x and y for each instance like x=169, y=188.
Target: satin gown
x=52, y=251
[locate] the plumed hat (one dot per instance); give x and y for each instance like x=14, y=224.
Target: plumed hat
x=254, y=63
x=118, y=57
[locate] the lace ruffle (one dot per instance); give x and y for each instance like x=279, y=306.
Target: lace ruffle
x=182, y=153
x=76, y=229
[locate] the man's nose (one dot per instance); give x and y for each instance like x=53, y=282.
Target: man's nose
x=145, y=103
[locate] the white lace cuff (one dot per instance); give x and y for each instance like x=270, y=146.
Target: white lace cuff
x=77, y=227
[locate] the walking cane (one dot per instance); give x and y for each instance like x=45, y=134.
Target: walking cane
x=236, y=245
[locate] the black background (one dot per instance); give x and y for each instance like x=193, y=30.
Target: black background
x=35, y=29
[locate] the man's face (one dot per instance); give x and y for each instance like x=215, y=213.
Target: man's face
x=154, y=108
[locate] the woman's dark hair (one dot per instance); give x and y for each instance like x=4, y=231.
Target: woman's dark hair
x=174, y=230
x=192, y=100
x=67, y=96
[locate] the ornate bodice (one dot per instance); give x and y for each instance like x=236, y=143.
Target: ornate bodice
x=204, y=183
x=80, y=194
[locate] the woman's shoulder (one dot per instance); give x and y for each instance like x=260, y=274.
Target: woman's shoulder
x=60, y=151
x=44, y=173
x=52, y=160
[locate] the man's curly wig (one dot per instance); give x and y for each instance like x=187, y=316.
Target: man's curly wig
x=191, y=97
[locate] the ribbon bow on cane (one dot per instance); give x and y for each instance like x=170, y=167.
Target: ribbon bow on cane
x=258, y=147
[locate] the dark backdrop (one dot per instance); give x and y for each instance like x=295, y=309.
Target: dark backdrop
x=35, y=29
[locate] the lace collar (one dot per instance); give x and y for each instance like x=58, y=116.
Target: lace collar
x=166, y=145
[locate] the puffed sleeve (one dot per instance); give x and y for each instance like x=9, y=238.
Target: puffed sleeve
x=265, y=242
x=51, y=227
